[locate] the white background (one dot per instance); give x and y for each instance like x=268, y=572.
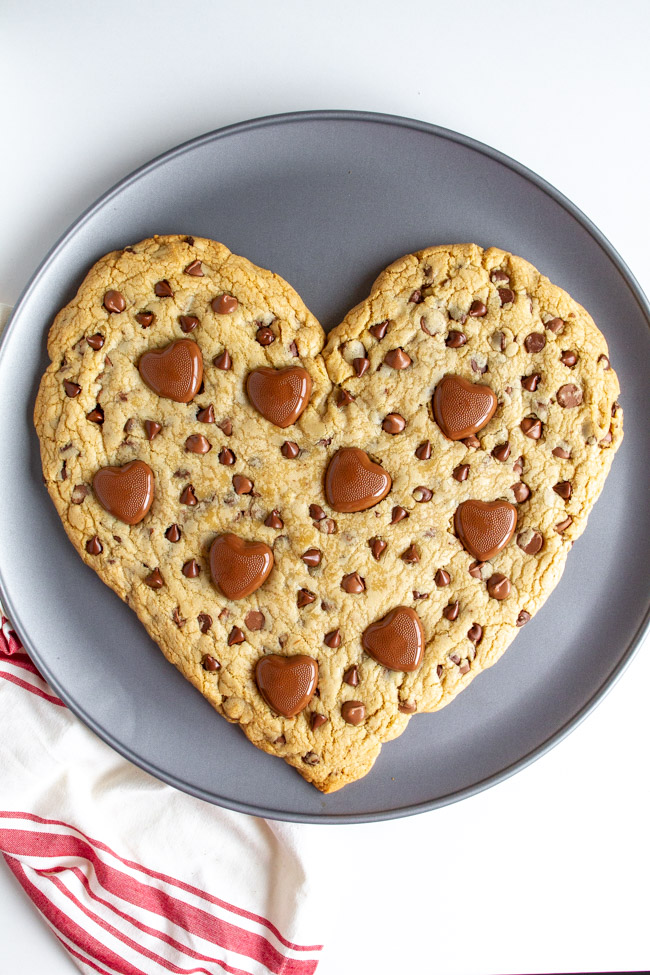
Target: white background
x=548, y=872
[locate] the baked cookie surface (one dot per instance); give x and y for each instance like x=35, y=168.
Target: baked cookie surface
x=403, y=559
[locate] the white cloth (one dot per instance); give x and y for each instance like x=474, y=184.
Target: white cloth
x=135, y=877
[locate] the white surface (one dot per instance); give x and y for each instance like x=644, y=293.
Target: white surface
x=547, y=872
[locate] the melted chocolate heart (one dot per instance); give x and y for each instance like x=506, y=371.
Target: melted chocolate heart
x=397, y=640
x=287, y=684
x=485, y=527
x=353, y=482
x=462, y=408
x=125, y=492
x=175, y=372
x=239, y=567
x=280, y=395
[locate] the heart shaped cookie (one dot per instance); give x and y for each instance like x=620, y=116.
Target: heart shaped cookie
x=326, y=535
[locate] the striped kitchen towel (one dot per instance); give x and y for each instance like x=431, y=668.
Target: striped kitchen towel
x=133, y=876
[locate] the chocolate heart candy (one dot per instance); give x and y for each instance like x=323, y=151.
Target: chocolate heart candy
x=485, y=527
x=125, y=492
x=462, y=408
x=239, y=567
x=353, y=482
x=397, y=640
x=280, y=395
x=175, y=372
x=287, y=684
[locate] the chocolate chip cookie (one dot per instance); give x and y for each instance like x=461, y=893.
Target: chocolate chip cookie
x=326, y=535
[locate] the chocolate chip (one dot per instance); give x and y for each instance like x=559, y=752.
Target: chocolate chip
x=394, y=423
x=555, y=325
x=535, y=342
x=194, y=269
x=224, y=304
x=280, y=740
x=114, y=302
x=311, y=758
x=405, y=707
x=569, y=396
x=475, y=633
x=563, y=525
x=411, y=555
x=227, y=457
x=208, y=662
x=506, y=296
x=564, y=489
x=188, y=323
x=71, y=389
x=206, y=415
x=398, y=359
x=173, y=533
x=361, y=365
x=353, y=583
x=273, y=520
x=94, y=546
x=205, y=622
x=191, y=569
x=605, y=361
x=198, y=444
x=317, y=721
x=293, y=349
x=451, y=611
x=530, y=541
x=561, y=452
x=422, y=494
x=398, y=514
x=420, y=595
x=333, y=639
x=531, y=383
x=498, y=586
x=95, y=341
x=460, y=473
x=442, y=578
x=518, y=466
x=79, y=493
x=241, y=484
x=351, y=676
x=290, y=449
x=264, y=335
x=476, y=569
x=145, y=318
x=569, y=358
x=154, y=580
x=236, y=635
x=416, y=297
x=455, y=339
x=607, y=439
x=532, y=427
x=304, y=598
x=523, y=618
x=477, y=309
x=353, y=712
x=423, y=452
x=226, y=427
x=379, y=330
x=498, y=341
x=501, y=451
x=377, y=547
x=188, y=497
x=312, y=557
x=151, y=429
x=521, y=492
x=498, y=277
x=316, y=512
x=344, y=398
x=471, y=441
x=163, y=289
x=96, y=415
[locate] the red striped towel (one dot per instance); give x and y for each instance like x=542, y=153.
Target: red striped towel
x=133, y=876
